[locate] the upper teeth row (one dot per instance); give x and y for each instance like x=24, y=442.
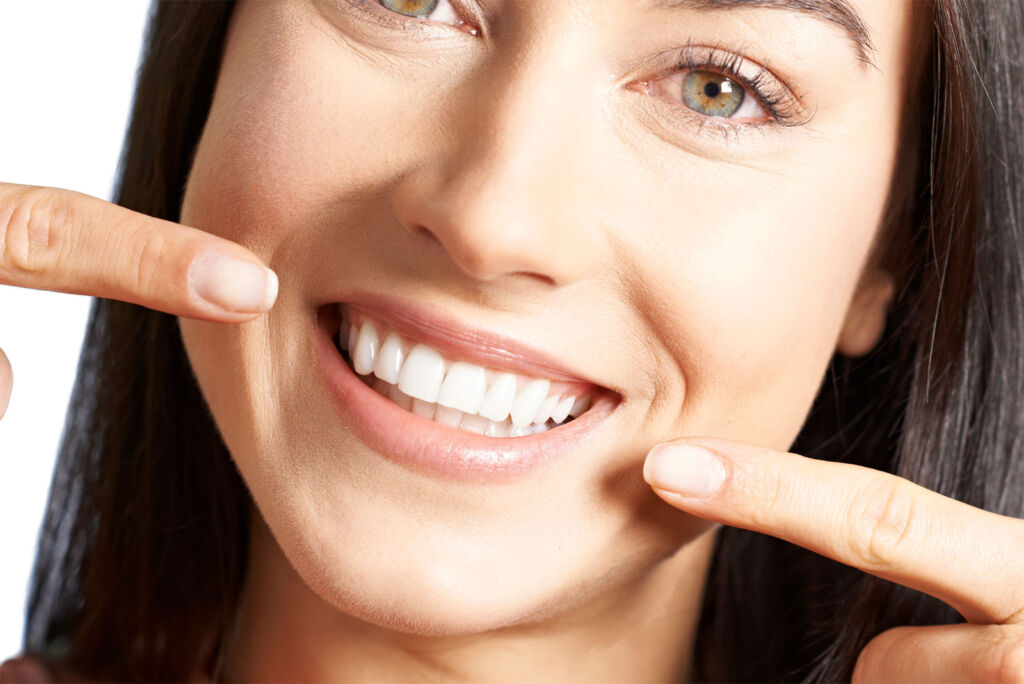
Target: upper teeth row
x=424, y=374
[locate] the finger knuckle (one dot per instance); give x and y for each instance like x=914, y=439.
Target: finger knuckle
x=883, y=523
x=146, y=253
x=32, y=223
x=1018, y=616
x=771, y=497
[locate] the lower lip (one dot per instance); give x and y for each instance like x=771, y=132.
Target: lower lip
x=426, y=446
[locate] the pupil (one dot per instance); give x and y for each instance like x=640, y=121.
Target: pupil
x=712, y=90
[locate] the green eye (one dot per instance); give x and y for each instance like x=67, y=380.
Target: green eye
x=712, y=94
x=412, y=8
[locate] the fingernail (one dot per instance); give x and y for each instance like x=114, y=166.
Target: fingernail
x=685, y=469
x=233, y=284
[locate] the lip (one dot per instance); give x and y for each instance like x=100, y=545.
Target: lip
x=455, y=340
x=440, y=450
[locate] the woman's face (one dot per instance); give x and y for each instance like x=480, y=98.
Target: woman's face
x=533, y=188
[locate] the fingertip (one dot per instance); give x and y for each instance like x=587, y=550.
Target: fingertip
x=272, y=286
x=232, y=285
x=6, y=382
x=685, y=469
x=647, y=469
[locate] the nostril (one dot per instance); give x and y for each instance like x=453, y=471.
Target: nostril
x=428, y=234
x=432, y=237
x=538, y=276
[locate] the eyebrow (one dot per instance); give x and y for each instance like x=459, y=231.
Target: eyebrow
x=837, y=12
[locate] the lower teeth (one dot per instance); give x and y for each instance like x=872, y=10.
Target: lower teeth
x=444, y=415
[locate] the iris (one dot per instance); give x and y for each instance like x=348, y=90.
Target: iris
x=712, y=94
x=412, y=8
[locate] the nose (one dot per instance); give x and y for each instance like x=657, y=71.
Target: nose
x=503, y=193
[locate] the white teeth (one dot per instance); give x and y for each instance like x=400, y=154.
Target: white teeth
x=473, y=423
x=580, y=405
x=353, y=337
x=424, y=409
x=389, y=359
x=422, y=373
x=497, y=429
x=528, y=402
x=561, y=411
x=458, y=394
x=500, y=396
x=401, y=398
x=448, y=416
x=366, y=349
x=463, y=387
x=546, y=407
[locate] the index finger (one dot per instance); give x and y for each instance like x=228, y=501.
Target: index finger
x=880, y=523
x=65, y=241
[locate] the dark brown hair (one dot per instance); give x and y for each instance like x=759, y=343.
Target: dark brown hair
x=143, y=548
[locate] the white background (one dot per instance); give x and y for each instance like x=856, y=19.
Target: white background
x=67, y=76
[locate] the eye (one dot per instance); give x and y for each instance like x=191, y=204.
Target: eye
x=714, y=89
x=711, y=94
x=424, y=9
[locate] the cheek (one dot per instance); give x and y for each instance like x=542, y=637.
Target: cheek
x=293, y=131
x=296, y=124
x=758, y=279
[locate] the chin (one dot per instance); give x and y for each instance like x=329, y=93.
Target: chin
x=431, y=597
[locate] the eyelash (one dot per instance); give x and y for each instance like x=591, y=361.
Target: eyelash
x=778, y=101
x=393, y=20
x=774, y=97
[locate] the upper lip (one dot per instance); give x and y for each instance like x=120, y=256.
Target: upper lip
x=461, y=342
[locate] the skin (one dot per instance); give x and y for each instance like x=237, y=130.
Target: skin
x=558, y=191
x=513, y=196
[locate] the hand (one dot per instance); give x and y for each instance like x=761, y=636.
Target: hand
x=884, y=525
x=69, y=242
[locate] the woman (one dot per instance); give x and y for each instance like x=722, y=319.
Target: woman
x=706, y=223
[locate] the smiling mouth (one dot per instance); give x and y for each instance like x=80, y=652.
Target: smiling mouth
x=479, y=399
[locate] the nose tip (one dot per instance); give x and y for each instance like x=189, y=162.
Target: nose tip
x=489, y=226
x=484, y=263
x=502, y=185
x=506, y=212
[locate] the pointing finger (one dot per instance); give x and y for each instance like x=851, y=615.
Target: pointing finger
x=65, y=241
x=877, y=522
x=6, y=381
x=943, y=653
